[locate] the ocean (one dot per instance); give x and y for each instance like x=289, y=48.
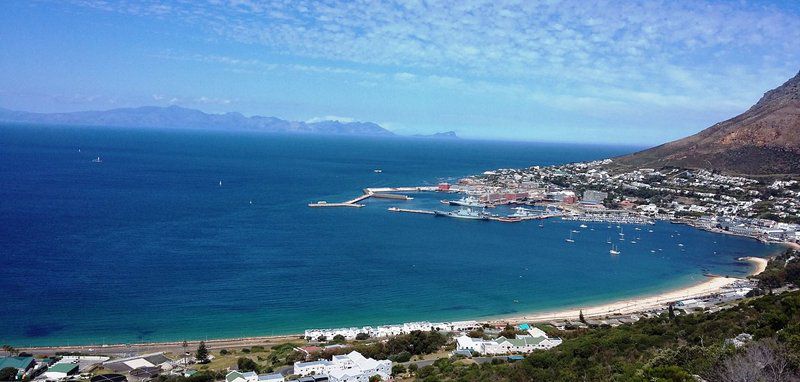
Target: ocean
x=183, y=234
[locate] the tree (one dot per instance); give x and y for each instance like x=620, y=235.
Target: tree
x=580, y=316
x=10, y=349
x=338, y=339
x=509, y=332
x=8, y=373
x=362, y=336
x=671, y=311
x=375, y=378
x=398, y=369
x=202, y=352
x=247, y=364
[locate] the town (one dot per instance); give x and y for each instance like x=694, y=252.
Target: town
x=766, y=210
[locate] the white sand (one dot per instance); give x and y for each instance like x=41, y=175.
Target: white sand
x=642, y=304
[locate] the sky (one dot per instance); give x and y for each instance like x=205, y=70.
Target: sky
x=627, y=72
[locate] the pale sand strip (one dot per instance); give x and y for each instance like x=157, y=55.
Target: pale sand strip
x=641, y=304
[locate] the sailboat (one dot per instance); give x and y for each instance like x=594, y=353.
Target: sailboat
x=608, y=241
x=614, y=250
x=570, y=240
x=97, y=160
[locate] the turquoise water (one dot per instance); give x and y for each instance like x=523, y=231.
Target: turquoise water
x=147, y=246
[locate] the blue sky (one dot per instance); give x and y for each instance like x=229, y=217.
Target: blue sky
x=634, y=72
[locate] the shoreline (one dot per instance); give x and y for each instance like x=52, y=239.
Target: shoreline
x=713, y=285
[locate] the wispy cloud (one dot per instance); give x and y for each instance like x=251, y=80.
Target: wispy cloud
x=669, y=48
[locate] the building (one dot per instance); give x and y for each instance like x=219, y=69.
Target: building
x=594, y=197
x=273, y=377
x=241, y=376
x=61, y=371
x=535, y=340
x=352, y=367
x=22, y=364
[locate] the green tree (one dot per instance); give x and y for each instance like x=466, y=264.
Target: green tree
x=202, y=353
x=671, y=311
x=362, y=336
x=8, y=373
x=398, y=369
x=338, y=339
x=11, y=350
x=580, y=317
x=247, y=364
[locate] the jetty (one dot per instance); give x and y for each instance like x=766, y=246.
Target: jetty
x=378, y=192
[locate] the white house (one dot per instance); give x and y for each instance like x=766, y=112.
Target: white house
x=241, y=376
x=537, y=340
x=273, y=377
x=61, y=370
x=352, y=367
x=314, y=367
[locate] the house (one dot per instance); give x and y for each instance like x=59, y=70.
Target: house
x=537, y=340
x=273, y=377
x=352, y=367
x=241, y=376
x=311, y=368
x=61, y=371
x=142, y=361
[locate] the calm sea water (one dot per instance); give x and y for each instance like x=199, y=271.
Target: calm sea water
x=147, y=246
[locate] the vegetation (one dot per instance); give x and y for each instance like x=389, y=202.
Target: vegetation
x=660, y=349
x=8, y=374
x=781, y=270
x=399, y=348
x=202, y=353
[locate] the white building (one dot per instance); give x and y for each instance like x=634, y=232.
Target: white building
x=535, y=340
x=241, y=376
x=352, y=367
x=273, y=377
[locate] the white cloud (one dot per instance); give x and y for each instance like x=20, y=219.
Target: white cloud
x=331, y=118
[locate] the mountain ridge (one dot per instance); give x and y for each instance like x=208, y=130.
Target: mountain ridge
x=763, y=140
x=185, y=118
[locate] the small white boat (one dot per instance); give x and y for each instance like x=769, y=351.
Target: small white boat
x=583, y=226
x=614, y=250
x=680, y=245
x=220, y=183
x=97, y=160
x=570, y=240
x=377, y=171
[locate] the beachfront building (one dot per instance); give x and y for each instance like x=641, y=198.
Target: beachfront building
x=61, y=371
x=352, y=367
x=536, y=339
x=272, y=377
x=390, y=330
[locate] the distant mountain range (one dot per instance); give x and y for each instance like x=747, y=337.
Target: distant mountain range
x=764, y=140
x=179, y=117
x=442, y=135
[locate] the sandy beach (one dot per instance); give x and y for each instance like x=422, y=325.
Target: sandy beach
x=641, y=304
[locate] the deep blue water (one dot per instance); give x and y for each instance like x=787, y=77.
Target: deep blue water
x=147, y=246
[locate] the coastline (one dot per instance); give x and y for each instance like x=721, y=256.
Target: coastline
x=713, y=285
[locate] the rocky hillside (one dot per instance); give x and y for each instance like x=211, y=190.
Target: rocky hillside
x=764, y=140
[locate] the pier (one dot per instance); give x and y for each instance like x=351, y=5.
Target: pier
x=381, y=192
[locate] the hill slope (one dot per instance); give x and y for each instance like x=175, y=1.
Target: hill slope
x=763, y=140
x=179, y=117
